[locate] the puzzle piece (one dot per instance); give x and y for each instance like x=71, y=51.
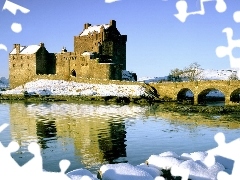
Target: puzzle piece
x=227, y=151
x=111, y=1
x=227, y=154
x=236, y=16
x=3, y=126
x=222, y=51
x=7, y=163
x=12, y=7
x=9, y=168
x=182, y=7
x=34, y=165
x=63, y=164
x=16, y=27
x=2, y=46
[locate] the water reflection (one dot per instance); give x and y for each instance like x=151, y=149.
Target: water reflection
x=46, y=130
x=97, y=132
x=113, y=148
x=90, y=135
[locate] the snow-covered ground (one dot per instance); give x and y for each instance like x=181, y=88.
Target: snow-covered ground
x=194, y=166
x=61, y=87
x=56, y=87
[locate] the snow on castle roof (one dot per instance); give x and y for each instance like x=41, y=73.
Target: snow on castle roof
x=90, y=29
x=87, y=54
x=31, y=49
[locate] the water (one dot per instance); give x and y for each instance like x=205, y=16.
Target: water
x=92, y=134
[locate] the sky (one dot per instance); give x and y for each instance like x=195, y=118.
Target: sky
x=157, y=41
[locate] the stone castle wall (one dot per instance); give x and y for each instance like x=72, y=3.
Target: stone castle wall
x=21, y=69
x=87, y=43
x=69, y=63
x=108, y=59
x=84, y=80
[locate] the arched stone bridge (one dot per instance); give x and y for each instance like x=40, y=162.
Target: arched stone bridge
x=177, y=90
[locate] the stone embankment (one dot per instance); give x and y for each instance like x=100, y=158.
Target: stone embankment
x=75, y=98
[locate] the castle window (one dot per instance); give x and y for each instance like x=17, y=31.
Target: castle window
x=21, y=65
x=73, y=73
x=21, y=57
x=28, y=65
x=28, y=57
x=13, y=57
x=13, y=65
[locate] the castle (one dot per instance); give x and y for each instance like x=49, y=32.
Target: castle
x=99, y=53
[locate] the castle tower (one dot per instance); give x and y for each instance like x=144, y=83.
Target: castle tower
x=105, y=40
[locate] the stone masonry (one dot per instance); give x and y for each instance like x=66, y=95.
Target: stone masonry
x=99, y=53
x=177, y=90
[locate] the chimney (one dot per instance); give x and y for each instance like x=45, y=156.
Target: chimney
x=17, y=47
x=41, y=44
x=64, y=50
x=86, y=25
x=113, y=23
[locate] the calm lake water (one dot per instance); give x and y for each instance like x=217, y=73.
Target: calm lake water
x=92, y=134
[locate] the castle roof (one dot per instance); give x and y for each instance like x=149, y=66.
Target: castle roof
x=91, y=29
x=87, y=54
x=31, y=49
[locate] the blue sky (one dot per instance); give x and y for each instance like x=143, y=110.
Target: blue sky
x=157, y=40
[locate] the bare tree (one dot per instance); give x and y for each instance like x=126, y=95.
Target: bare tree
x=233, y=76
x=193, y=72
x=175, y=74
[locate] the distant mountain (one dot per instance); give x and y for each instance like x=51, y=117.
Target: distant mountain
x=4, y=83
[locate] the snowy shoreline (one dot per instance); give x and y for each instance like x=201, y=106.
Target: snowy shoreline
x=60, y=90
x=206, y=165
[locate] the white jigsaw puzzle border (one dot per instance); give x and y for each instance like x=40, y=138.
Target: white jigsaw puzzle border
x=228, y=150
x=182, y=8
x=33, y=168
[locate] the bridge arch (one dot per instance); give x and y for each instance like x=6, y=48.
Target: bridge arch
x=185, y=95
x=204, y=96
x=235, y=96
x=229, y=89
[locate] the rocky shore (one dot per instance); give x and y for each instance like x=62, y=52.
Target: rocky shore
x=75, y=98
x=187, y=108
x=168, y=106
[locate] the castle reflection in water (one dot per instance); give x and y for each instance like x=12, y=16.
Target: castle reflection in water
x=97, y=132
x=92, y=134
